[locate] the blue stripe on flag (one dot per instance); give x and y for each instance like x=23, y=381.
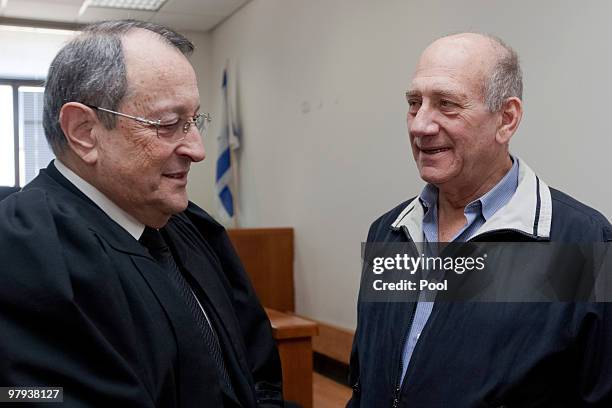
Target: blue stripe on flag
x=224, y=162
x=227, y=200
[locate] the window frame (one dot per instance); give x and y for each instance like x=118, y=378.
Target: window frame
x=16, y=83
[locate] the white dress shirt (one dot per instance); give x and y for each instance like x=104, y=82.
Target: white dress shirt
x=117, y=214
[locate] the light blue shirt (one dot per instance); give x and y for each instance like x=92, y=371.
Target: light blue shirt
x=476, y=213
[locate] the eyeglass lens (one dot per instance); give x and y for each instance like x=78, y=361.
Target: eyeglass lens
x=200, y=121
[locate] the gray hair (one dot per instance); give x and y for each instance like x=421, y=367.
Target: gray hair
x=505, y=79
x=91, y=69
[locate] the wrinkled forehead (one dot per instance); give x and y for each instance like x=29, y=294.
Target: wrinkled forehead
x=454, y=64
x=155, y=69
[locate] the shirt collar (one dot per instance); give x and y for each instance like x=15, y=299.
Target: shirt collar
x=429, y=197
x=489, y=203
x=134, y=227
x=503, y=191
x=528, y=211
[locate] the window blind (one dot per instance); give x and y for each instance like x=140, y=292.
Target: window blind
x=35, y=153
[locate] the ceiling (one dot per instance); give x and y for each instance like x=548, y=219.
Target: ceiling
x=195, y=15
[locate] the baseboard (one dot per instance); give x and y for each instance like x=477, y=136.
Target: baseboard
x=333, y=342
x=331, y=368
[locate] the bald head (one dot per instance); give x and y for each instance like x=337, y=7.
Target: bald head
x=468, y=51
x=483, y=59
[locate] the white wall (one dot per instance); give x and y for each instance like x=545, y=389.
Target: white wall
x=325, y=145
x=321, y=87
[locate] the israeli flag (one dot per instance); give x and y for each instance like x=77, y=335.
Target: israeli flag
x=229, y=141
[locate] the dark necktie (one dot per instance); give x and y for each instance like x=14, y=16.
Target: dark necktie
x=154, y=242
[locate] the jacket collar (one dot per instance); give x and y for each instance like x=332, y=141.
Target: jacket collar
x=528, y=211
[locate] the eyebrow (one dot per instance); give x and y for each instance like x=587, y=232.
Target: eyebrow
x=178, y=109
x=440, y=93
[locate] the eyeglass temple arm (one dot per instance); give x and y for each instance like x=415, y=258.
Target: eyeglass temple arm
x=138, y=118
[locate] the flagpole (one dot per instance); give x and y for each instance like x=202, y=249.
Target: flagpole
x=233, y=160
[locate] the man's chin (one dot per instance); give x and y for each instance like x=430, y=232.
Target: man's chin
x=178, y=204
x=434, y=177
x=161, y=215
x=174, y=204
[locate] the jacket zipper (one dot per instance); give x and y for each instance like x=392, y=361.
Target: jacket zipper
x=398, y=382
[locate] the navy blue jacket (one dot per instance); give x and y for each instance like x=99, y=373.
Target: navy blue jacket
x=490, y=354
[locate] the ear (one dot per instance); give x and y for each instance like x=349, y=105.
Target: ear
x=77, y=122
x=511, y=114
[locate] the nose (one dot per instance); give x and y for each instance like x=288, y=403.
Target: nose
x=423, y=123
x=192, y=146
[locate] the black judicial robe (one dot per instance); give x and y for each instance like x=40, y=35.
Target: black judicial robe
x=84, y=306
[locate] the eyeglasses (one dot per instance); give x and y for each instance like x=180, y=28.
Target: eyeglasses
x=168, y=132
